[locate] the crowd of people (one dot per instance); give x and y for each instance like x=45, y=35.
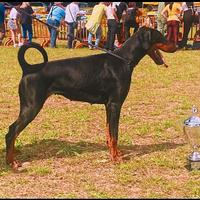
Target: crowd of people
x=115, y=12
x=19, y=23
x=170, y=15
x=120, y=16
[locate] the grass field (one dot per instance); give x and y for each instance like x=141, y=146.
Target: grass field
x=64, y=148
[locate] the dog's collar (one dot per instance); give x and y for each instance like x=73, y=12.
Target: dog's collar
x=113, y=54
x=117, y=56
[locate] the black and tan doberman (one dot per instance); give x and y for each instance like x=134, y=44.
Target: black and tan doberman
x=96, y=79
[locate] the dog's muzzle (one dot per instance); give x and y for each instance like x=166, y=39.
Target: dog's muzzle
x=157, y=56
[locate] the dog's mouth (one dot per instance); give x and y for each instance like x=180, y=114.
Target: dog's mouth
x=157, y=56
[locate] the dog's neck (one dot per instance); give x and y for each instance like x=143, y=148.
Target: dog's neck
x=131, y=53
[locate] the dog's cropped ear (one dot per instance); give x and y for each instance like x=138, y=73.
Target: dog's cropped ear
x=145, y=38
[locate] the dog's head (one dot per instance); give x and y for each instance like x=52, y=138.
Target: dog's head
x=151, y=41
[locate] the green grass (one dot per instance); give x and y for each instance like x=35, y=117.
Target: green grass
x=65, y=148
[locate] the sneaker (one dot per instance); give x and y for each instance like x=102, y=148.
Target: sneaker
x=116, y=43
x=188, y=47
x=15, y=45
x=90, y=48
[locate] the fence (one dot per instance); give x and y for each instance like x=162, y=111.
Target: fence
x=40, y=31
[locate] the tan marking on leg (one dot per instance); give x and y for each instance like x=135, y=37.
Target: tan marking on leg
x=115, y=153
x=10, y=157
x=10, y=153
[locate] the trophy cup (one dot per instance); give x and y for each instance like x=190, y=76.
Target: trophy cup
x=191, y=129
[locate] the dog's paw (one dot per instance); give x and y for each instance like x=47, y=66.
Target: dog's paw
x=117, y=158
x=16, y=165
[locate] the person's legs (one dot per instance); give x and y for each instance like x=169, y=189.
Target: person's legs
x=175, y=28
x=19, y=37
x=127, y=31
x=161, y=26
x=70, y=34
x=24, y=31
x=2, y=32
x=169, y=31
x=188, y=20
x=53, y=37
x=108, y=35
x=90, y=35
x=49, y=21
x=56, y=24
x=119, y=32
x=18, y=34
x=13, y=37
x=30, y=32
x=136, y=27
x=98, y=36
x=53, y=32
x=113, y=29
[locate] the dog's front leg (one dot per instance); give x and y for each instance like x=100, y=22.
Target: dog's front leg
x=113, y=114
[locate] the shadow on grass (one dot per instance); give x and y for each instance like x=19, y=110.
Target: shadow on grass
x=140, y=150
x=53, y=148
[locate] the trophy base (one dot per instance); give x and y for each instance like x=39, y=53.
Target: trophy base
x=194, y=165
x=194, y=161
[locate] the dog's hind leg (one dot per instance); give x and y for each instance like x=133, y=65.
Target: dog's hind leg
x=113, y=114
x=28, y=112
x=107, y=127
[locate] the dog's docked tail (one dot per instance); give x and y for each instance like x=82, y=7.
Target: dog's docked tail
x=28, y=68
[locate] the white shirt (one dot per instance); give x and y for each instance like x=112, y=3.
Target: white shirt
x=13, y=13
x=71, y=17
x=184, y=6
x=116, y=3
x=109, y=11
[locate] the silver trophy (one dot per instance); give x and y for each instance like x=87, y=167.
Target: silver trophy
x=191, y=129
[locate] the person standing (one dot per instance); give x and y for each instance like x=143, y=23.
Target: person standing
x=94, y=24
x=122, y=8
x=54, y=18
x=131, y=19
x=112, y=21
x=71, y=13
x=13, y=24
x=161, y=21
x=148, y=20
x=2, y=25
x=26, y=21
x=188, y=19
x=171, y=13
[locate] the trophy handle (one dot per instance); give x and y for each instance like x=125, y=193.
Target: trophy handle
x=194, y=109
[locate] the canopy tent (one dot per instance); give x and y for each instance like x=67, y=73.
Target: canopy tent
x=151, y=3
x=156, y=3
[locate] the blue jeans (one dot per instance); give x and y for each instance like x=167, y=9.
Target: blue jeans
x=97, y=35
x=53, y=31
x=27, y=28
